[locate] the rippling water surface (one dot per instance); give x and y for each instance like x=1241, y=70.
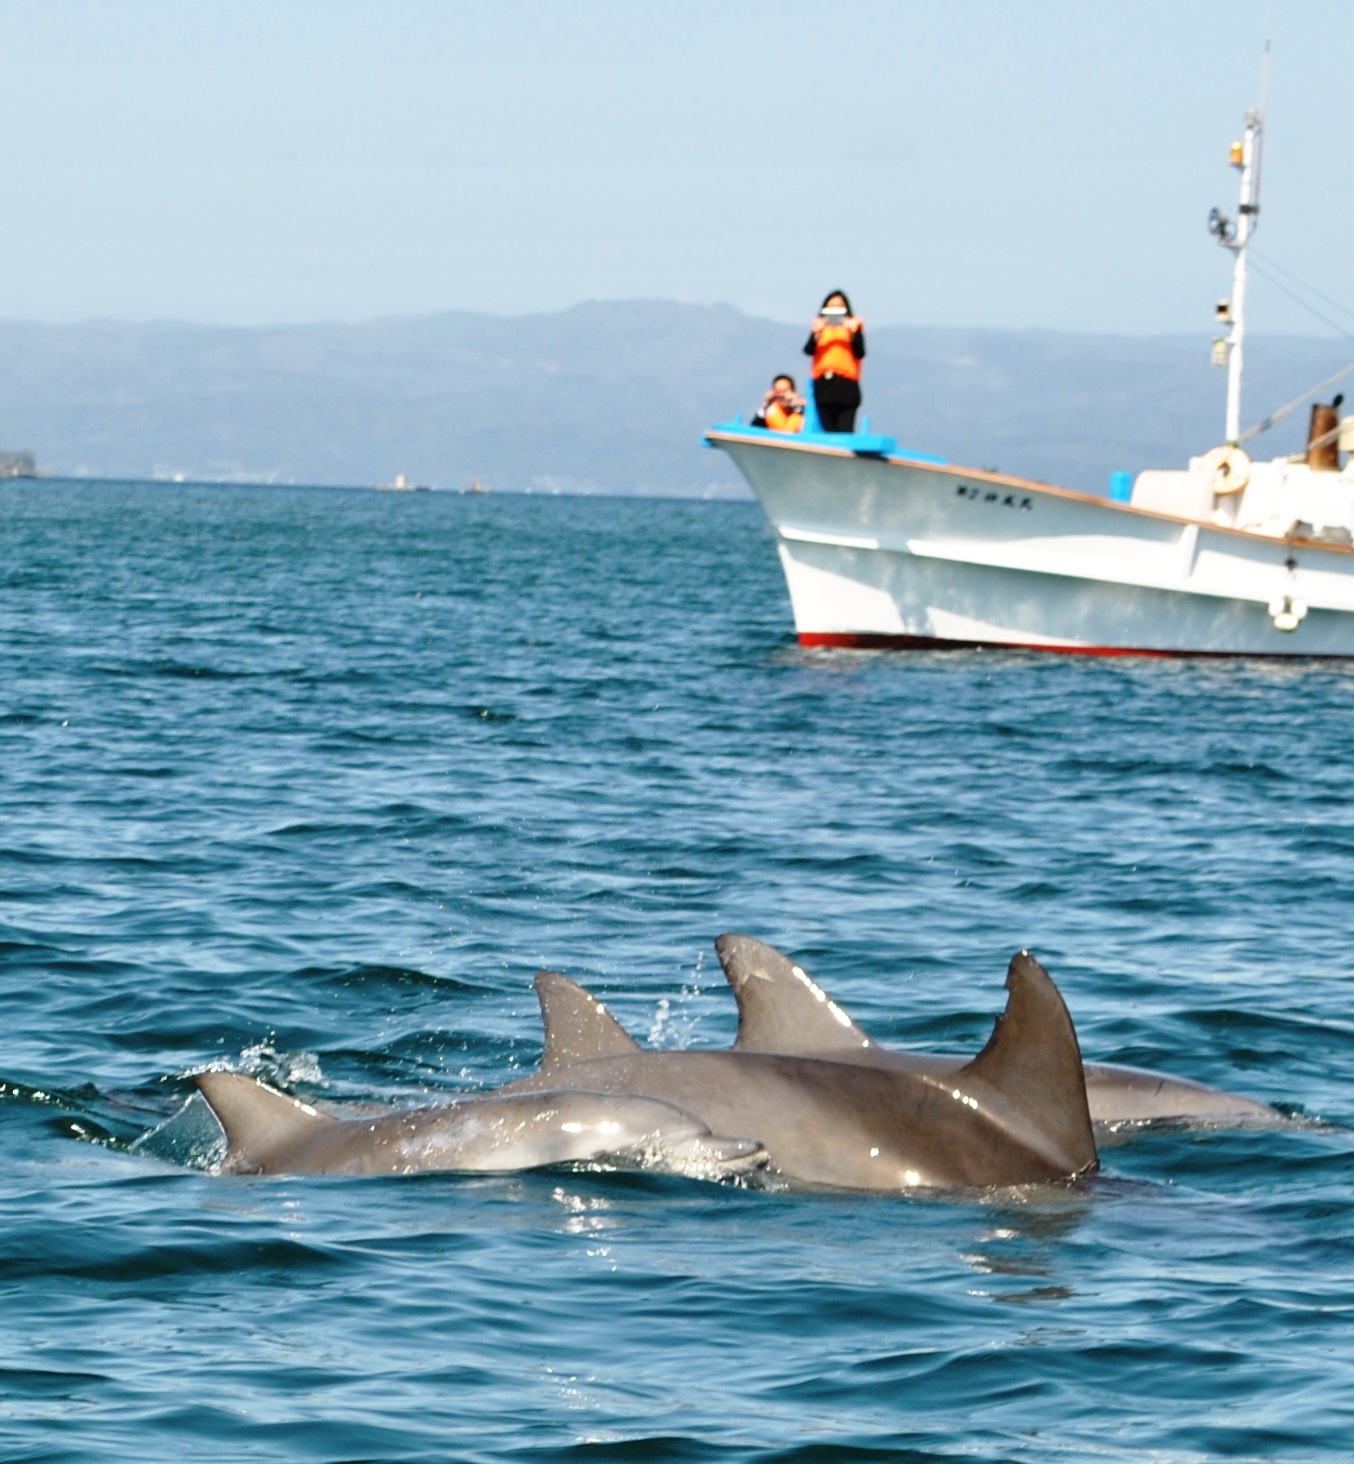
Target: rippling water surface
x=311, y=782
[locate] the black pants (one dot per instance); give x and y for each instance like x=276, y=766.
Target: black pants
x=836, y=399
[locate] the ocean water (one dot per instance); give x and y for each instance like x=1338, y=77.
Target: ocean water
x=311, y=782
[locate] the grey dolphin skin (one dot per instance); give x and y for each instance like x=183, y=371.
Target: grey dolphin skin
x=1014, y=1114
x=781, y=1008
x=270, y=1133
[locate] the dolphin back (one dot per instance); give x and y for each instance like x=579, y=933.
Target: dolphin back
x=1032, y=1066
x=259, y=1122
x=578, y=1028
x=492, y=1133
x=781, y=1008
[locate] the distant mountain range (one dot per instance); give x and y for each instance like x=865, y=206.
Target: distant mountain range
x=602, y=398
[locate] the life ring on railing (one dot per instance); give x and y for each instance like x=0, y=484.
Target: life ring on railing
x=1228, y=469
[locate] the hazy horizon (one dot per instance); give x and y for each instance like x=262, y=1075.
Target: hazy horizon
x=1205, y=331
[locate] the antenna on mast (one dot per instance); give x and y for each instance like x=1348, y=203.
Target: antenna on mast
x=1264, y=90
x=1229, y=350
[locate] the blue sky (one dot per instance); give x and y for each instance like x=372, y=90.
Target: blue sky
x=1046, y=163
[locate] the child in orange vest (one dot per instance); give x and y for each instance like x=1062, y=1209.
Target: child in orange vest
x=782, y=407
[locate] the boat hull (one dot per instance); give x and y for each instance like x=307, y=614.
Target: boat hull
x=903, y=553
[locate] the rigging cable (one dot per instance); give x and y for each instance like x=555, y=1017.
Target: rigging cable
x=1271, y=271
x=1276, y=417
x=1297, y=281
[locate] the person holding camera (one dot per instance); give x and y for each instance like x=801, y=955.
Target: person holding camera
x=837, y=344
x=782, y=407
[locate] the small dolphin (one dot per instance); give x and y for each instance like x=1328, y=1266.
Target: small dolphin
x=270, y=1133
x=1015, y=1114
x=781, y=1008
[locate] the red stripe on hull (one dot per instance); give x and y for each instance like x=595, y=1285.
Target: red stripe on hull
x=849, y=641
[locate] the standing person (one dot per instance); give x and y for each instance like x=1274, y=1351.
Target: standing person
x=837, y=344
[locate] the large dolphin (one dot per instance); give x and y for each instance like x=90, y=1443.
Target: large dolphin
x=781, y=1008
x=1014, y=1114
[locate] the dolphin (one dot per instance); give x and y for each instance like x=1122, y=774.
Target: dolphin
x=781, y=1008
x=271, y=1133
x=1014, y=1114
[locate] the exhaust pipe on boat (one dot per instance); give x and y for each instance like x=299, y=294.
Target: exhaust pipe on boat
x=1323, y=437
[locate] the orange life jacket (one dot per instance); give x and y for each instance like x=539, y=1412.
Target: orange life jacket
x=832, y=353
x=783, y=419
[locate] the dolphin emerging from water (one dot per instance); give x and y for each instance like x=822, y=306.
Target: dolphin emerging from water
x=1014, y=1114
x=271, y=1133
x=781, y=1008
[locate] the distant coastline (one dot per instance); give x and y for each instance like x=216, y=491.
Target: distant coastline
x=111, y=480
x=605, y=398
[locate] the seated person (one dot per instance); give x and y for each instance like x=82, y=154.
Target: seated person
x=782, y=407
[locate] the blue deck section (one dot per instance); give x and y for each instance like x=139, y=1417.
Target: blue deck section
x=865, y=444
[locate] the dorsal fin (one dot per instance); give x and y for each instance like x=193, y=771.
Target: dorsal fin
x=578, y=1028
x=1033, y=1061
x=781, y=1008
x=257, y=1119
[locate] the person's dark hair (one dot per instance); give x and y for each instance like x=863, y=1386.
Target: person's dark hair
x=784, y=376
x=844, y=296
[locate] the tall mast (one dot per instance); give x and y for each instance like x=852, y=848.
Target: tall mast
x=1247, y=158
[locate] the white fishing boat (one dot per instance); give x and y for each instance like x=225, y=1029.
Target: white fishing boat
x=888, y=548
